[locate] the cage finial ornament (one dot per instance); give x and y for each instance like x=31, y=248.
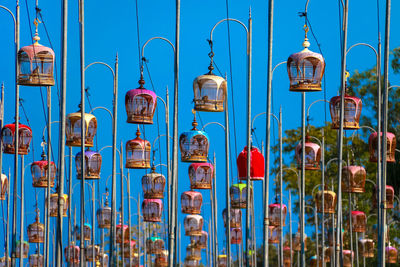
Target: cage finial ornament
x=306, y=43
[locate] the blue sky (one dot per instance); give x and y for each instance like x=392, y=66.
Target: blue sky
x=111, y=29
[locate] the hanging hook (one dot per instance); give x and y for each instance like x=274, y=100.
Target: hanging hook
x=211, y=55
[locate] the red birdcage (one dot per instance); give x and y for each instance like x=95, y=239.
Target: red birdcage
x=193, y=253
x=239, y=195
x=389, y=202
x=257, y=164
x=236, y=218
x=193, y=225
x=348, y=257
x=128, y=249
x=162, y=259
x=155, y=245
x=305, y=69
x=87, y=232
x=8, y=138
x=201, y=175
x=140, y=104
x=3, y=186
x=36, y=231
x=200, y=241
x=92, y=253
x=122, y=229
x=36, y=260
x=72, y=254
x=359, y=221
x=329, y=201
x=275, y=214
x=153, y=185
x=274, y=234
x=390, y=144
x=152, y=210
x=24, y=248
x=191, y=202
x=39, y=171
x=138, y=153
x=92, y=165
x=366, y=247
x=54, y=205
x=194, y=145
x=209, y=92
x=352, y=112
x=353, y=179
x=73, y=129
x=236, y=235
x=391, y=254
x=312, y=156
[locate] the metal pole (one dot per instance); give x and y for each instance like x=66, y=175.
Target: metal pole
x=290, y=228
x=351, y=226
x=83, y=126
x=382, y=204
x=122, y=201
x=339, y=243
x=212, y=228
x=69, y=201
x=64, y=19
x=128, y=185
x=268, y=128
x=172, y=234
x=248, y=185
x=323, y=198
x=48, y=174
x=280, y=187
x=302, y=179
x=16, y=140
x=227, y=176
x=21, y=259
x=168, y=158
x=138, y=219
x=8, y=223
x=316, y=231
x=93, y=220
x=357, y=259
x=215, y=235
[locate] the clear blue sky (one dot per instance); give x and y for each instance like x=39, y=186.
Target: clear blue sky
x=111, y=28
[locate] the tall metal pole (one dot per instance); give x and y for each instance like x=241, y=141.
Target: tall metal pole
x=280, y=188
x=83, y=125
x=316, y=234
x=302, y=179
x=212, y=224
x=7, y=249
x=248, y=184
x=215, y=213
x=128, y=185
x=339, y=243
x=93, y=220
x=268, y=128
x=323, y=198
x=168, y=157
x=48, y=174
x=138, y=219
x=61, y=138
x=21, y=258
x=16, y=140
x=290, y=228
x=69, y=201
x=122, y=201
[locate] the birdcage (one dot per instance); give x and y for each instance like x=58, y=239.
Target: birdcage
x=36, y=260
x=222, y=260
x=155, y=245
x=103, y=260
x=297, y=241
x=140, y=105
x=312, y=155
x=162, y=259
x=36, y=231
x=351, y=115
x=152, y=210
x=92, y=253
x=35, y=64
x=24, y=248
x=73, y=129
x=104, y=216
x=390, y=144
x=329, y=198
x=3, y=186
x=200, y=241
x=348, y=257
x=8, y=138
x=192, y=252
x=329, y=254
x=209, y=92
x=273, y=234
x=128, y=249
x=5, y=261
x=191, y=263
x=359, y=221
x=314, y=262
x=87, y=231
x=39, y=171
x=153, y=185
x=54, y=205
x=138, y=153
x=72, y=254
x=366, y=247
x=122, y=230
x=194, y=145
x=305, y=69
x=193, y=224
x=239, y=195
x=236, y=236
x=235, y=218
x=201, y=175
x=353, y=179
x=257, y=164
x=389, y=202
x=134, y=259
x=275, y=214
x=287, y=256
x=391, y=254
x=92, y=165
x=191, y=202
